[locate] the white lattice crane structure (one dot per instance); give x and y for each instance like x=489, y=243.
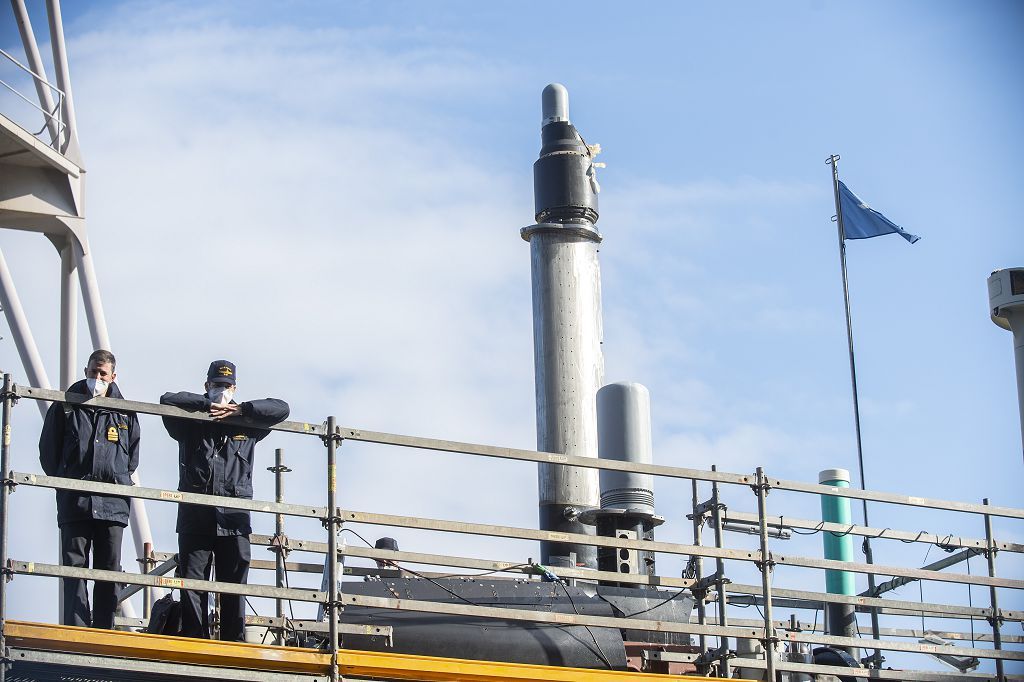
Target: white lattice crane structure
x=42, y=189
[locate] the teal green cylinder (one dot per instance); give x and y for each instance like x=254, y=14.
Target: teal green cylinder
x=837, y=510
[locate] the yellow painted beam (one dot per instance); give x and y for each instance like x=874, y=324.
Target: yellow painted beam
x=163, y=648
x=386, y=665
x=433, y=669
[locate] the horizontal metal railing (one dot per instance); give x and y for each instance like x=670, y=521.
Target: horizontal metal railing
x=750, y=556
x=766, y=630
x=19, y=567
x=839, y=529
x=162, y=495
x=671, y=472
x=365, y=436
x=49, y=395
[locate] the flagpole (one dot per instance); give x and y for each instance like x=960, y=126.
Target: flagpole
x=877, y=657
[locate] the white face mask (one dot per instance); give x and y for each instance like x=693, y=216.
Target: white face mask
x=221, y=395
x=97, y=387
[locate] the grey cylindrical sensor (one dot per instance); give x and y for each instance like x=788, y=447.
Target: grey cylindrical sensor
x=564, y=185
x=624, y=434
x=554, y=104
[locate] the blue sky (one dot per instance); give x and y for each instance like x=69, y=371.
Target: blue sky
x=331, y=195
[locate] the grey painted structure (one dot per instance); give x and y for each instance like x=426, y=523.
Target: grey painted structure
x=1006, y=306
x=567, y=328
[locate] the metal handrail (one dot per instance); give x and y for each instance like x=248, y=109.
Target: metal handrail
x=163, y=495
x=294, y=593
x=361, y=435
x=51, y=115
x=670, y=472
x=121, y=405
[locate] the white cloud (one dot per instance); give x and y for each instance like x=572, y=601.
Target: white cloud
x=249, y=199
x=745, y=446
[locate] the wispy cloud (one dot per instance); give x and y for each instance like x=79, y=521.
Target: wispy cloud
x=251, y=197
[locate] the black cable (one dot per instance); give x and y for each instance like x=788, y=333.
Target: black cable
x=472, y=575
x=661, y=603
x=418, y=575
x=349, y=530
x=289, y=623
x=448, y=575
x=915, y=539
x=600, y=651
x=920, y=590
x=944, y=543
x=690, y=570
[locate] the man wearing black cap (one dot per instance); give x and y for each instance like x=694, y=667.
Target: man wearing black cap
x=389, y=544
x=216, y=458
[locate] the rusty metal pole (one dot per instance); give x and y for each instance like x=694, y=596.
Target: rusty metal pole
x=147, y=592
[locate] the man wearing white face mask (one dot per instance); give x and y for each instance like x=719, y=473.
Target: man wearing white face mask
x=92, y=444
x=216, y=458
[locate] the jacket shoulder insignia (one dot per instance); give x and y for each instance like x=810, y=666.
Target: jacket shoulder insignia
x=240, y=436
x=112, y=434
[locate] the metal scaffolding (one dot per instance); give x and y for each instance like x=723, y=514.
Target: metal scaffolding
x=716, y=588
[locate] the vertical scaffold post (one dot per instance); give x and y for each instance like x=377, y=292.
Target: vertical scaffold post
x=333, y=599
x=995, y=620
x=280, y=544
x=766, y=564
x=698, y=572
x=5, y=475
x=723, y=599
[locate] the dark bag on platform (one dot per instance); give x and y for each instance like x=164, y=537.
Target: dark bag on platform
x=165, y=617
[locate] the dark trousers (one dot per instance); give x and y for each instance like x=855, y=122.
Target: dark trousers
x=196, y=555
x=76, y=540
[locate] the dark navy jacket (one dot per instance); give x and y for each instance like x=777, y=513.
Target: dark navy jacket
x=90, y=444
x=216, y=458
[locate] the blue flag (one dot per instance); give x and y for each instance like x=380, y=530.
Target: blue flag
x=860, y=221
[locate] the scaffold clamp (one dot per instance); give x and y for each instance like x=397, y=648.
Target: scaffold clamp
x=705, y=508
x=328, y=438
x=770, y=563
x=700, y=589
x=279, y=544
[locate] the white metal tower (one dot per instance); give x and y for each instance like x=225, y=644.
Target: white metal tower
x=42, y=189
